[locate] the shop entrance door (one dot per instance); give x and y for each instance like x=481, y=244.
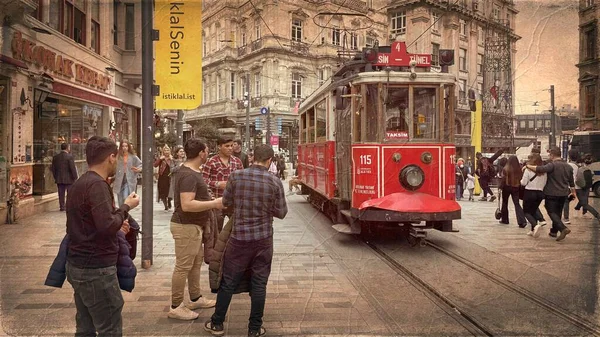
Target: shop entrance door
x=4, y=140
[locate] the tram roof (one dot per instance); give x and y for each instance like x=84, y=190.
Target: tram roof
x=395, y=77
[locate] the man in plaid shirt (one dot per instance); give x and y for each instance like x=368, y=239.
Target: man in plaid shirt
x=256, y=197
x=217, y=170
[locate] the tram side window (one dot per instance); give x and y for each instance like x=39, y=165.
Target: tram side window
x=396, y=113
x=303, y=128
x=321, y=111
x=425, y=113
x=310, y=125
x=372, y=115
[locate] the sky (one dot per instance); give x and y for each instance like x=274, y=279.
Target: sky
x=546, y=54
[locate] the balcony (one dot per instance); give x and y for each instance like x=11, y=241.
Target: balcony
x=243, y=50
x=299, y=47
x=256, y=45
x=293, y=101
x=256, y=102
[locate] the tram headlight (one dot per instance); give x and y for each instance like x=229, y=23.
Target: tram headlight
x=412, y=177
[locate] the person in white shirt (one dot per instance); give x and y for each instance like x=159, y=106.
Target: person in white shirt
x=534, y=194
x=574, y=157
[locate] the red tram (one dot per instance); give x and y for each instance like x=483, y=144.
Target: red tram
x=376, y=145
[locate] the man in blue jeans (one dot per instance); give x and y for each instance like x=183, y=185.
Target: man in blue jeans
x=256, y=196
x=92, y=225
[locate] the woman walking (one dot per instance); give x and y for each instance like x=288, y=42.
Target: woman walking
x=533, y=195
x=178, y=159
x=511, y=182
x=128, y=167
x=485, y=174
x=164, y=164
x=461, y=175
x=583, y=192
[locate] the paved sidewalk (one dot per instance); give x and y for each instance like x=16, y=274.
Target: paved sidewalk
x=307, y=293
x=310, y=290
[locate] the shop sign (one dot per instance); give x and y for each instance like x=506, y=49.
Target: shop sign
x=179, y=54
x=28, y=52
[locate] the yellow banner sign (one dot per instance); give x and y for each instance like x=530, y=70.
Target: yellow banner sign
x=179, y=54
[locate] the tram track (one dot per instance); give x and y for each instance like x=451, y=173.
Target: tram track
x=466, y=318
x=576, y=320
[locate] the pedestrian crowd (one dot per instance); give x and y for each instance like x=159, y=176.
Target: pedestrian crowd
x=557, y=183
x=96, y=255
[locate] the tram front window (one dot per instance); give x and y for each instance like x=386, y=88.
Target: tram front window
x=396, y=113
x=425, y=117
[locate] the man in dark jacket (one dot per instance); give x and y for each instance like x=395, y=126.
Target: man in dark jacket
x=93, y=250
x=237, y=151
x=64, y=172
x=256, y=197
x=559, y=187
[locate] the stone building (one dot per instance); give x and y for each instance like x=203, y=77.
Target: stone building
x=589, y=67
x=284, y=50
x=69, y=69
x=287, y=63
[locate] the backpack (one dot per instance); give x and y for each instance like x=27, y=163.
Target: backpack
x=584, y=177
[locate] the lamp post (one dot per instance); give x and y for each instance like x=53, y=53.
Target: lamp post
x=247, y=94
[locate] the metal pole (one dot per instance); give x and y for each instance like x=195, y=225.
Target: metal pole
x=268, y=126
x=180, y=127
x=552, y=119
x=147, y=133
x=248, y=113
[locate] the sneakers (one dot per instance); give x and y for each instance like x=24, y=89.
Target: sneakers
x=254, y=333
x=201, y=303
x=537, y=230
x=492, y=198
x=215, y=329
x=530, y=233
x=563, y=234
x=567, y=222
x=182, y=313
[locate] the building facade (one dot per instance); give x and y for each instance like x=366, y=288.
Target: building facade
x=279, y=52
x=589, y=65
x=69, y=70
x=300, y=51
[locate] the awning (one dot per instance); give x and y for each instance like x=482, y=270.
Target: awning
x=12, y=61
x=71, y=91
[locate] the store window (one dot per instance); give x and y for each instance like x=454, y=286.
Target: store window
x=65, y=121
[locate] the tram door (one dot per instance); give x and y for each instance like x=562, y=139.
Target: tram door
x=343, y=148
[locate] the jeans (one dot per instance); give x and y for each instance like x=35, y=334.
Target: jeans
x=485, y=187
x=459, y=191
x=566, y=209
x=98, y=301
x=510, y=191
x=242, y=256
x=62, y=189
x=189, y=256
x=531, y=204
x=582, y=196
x=554, y=206
x=123, y=193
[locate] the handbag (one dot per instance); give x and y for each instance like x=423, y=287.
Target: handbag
x=522, y=188
x=498, y=213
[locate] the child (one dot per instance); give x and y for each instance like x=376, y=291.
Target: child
x=470, y=185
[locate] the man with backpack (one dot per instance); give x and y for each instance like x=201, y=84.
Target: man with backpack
x=583, y=183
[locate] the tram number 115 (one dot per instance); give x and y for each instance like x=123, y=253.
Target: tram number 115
x=365, y=159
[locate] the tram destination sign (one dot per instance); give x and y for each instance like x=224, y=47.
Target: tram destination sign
x=398, y=56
